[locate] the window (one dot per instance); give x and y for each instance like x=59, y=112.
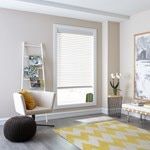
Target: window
x=75, y=64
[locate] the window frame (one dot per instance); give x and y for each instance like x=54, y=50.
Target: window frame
x=76, y=29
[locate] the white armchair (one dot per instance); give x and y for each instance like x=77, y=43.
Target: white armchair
x=44, y=101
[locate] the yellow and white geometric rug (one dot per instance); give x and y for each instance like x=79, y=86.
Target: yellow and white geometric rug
x=108, y=135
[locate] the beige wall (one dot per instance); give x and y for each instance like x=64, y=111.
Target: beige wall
x=113, y=50
x=110, y=57
x=15, y=27
x=137, y=24
x=104, y=63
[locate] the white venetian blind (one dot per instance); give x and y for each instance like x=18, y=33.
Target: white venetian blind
x=75, y=59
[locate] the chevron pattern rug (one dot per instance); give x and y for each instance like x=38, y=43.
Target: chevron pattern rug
x=109, y=135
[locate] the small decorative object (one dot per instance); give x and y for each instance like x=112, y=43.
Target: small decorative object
x=89, y=97
x=139, y=102
x=35, y=60
x=115, y=82
x=35, y=83
x=31, y=72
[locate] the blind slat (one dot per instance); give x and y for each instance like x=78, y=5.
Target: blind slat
x=75, y=58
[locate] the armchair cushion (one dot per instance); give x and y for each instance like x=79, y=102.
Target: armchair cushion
x=38, y=110
x=28, y=98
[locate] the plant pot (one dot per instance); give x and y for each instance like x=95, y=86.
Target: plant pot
x=115, y=91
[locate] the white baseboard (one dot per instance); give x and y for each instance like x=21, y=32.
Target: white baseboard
x=67, y=114
x=59, y=115
x=3, y=120
x=104, y=110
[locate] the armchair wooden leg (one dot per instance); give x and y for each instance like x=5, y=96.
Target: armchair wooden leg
x=46, y=125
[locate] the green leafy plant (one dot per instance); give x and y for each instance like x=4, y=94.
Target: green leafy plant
x=89, y=97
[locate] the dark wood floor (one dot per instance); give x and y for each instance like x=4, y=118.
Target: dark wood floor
x=46, y=139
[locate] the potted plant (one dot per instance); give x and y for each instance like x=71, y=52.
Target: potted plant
x=115, y=81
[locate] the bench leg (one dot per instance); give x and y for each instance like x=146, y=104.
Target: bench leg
x=144, y=117
x=128, y=116
x=46, y=118
x=141, y=117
